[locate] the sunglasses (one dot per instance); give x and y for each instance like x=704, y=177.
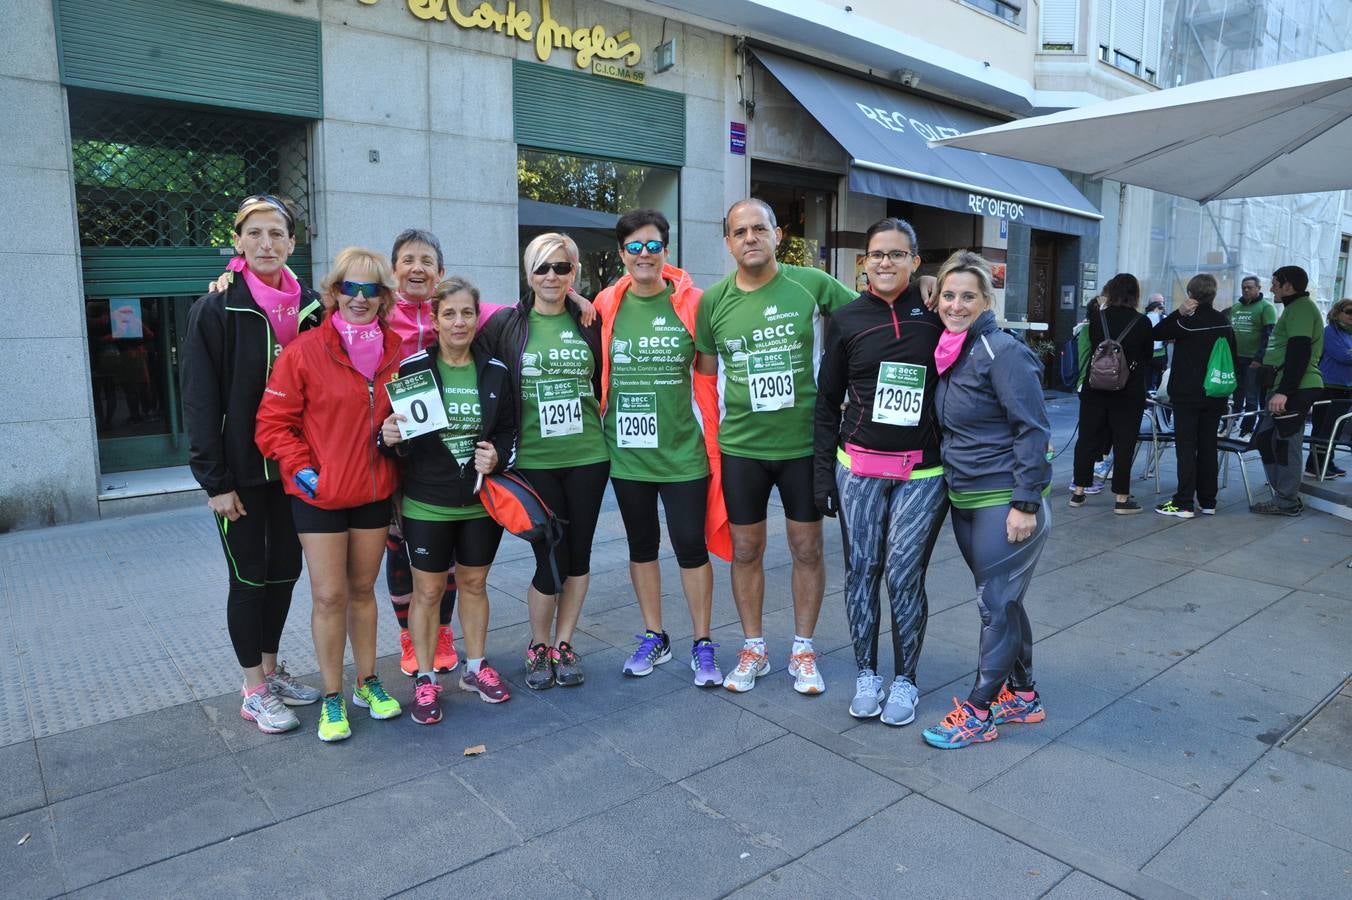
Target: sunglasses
x=634, y=248
x=268, y=199
x=560, y=268
x=367, y=289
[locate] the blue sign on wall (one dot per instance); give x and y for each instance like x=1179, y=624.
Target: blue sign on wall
x=737, y=138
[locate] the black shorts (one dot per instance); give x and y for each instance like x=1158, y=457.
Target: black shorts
x=313, y=520
x=433, y=546
x=747, y=483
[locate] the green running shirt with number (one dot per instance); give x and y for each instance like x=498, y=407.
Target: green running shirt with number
x=650, y=424
x=767, y=341
x=460, y=396
x=560, y=422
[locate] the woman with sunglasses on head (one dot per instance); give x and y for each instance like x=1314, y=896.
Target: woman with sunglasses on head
x=656, y=442
x=876, y=460
x=234, y=334
x=556, y=363
x=319, y=419
x=444, y=521
x=995, y=441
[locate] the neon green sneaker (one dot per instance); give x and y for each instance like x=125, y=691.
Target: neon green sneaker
x=333, y=719
x=370, y=694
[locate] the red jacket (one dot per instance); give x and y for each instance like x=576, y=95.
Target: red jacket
x=685, y=299
x=319, y=411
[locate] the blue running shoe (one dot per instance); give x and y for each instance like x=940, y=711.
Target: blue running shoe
x=705, y=665
x=654, y=648
x=1008, y=707
x=960, y=727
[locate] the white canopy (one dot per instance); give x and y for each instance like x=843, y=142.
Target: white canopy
x=1281, y=130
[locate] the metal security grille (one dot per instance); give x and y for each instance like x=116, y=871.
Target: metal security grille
x=163, y=176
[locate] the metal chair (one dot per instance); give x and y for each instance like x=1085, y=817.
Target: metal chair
x=1341, y=410
x=1237, y=446
x=1156, y=436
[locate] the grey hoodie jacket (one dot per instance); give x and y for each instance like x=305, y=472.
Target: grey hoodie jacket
x=994, y=417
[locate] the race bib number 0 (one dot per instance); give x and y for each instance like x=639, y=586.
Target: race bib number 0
x=415, y=397
x=636, y=421
x=899, y=395
x=769, y=375
x=560, y=405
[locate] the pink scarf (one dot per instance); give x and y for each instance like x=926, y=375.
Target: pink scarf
x=950, y=347
x=282, y=307
x=364, y=343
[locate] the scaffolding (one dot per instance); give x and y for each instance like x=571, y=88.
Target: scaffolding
x=1232, y=238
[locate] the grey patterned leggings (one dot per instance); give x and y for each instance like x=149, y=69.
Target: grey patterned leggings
x=889, y=528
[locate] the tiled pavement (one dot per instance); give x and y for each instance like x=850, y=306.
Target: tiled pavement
x=1172, y=655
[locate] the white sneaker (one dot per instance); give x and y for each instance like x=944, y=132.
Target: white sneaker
x=868, y=695
x=901, y=699
x=266, y=710
x=750, y=666
x=806, y=678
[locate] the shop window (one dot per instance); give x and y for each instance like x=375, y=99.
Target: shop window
x=583, y=197
x=805, y=209
x=1007, y=10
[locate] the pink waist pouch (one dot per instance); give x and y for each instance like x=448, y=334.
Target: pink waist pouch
x=882, y=464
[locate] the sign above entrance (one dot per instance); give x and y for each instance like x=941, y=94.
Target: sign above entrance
x=547, y=34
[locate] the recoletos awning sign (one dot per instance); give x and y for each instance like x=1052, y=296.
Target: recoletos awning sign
x=886, y=134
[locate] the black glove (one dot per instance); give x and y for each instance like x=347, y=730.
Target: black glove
x=828, y=502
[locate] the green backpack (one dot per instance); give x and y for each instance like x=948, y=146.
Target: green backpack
x=1220, y=371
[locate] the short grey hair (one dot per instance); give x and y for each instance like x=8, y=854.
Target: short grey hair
x=750, y=201
x=418, y=236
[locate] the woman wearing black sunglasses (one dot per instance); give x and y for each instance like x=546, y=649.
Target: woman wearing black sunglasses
x=234, y=334
x=556, y=363
x=324, y=406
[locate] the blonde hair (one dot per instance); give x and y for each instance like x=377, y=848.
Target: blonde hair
x=544, y=245
x=351, y=258
x=266, y=203
x=971, y=263
x=1337, y=308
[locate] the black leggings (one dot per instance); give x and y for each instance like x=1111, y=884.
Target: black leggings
x=1117, y=419
x=1002, y=572
x=574, y=493
x=399, y=579
x=263, y=557
x=684, y=503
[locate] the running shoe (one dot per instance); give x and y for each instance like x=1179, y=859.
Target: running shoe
x=1170, y=508
x=289, y=690
x=446, y=658
x=1273, y=508
x=486, y=683
x=1009, y=708
x=750, y=666
x=806, y=678
x=901, y=700
x=1206, y=510
x=426, y=709
x=704, y=664
x=1096, y=487
x=567, y=665
x=370, y=695
x=1077, y=500
x=1102, y=469
x=654, y=648
x=868, y=695
x=333, y=719
x=539, y=667
x=961, y=727
x=408, y=660
x=1127, y=507
x=266, y=710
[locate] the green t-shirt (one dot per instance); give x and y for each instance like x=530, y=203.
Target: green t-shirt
x=768, y=342
x=1300, y=318
x=560, y=422
x=650, y=424
x=430, y=512
x=460, y=396
x=1248, y=320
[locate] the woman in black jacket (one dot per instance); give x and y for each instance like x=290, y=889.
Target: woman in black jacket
x=556, y=364
x=234, y=336
x=444, y=522
x=1195, y=327
x=1114, y=415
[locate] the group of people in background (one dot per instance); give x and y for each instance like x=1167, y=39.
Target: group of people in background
x=1283, y=366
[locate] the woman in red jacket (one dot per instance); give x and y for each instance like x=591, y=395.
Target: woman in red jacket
x=319, y=418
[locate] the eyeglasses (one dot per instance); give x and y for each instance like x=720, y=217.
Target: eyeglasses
x=367, y=289
x=634, y=248
x=876, y=256
x=560, y=268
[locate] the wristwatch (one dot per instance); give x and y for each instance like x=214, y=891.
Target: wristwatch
x=1025, y=506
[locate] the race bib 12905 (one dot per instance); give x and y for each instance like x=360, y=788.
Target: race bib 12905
x=560, y=405
x=899, y=394
x=769, y=376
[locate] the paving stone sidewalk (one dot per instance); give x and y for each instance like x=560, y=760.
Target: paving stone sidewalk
x=1173, y=657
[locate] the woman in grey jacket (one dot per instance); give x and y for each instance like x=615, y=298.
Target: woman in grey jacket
x=995, y=438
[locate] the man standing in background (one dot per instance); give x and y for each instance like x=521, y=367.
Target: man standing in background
x=1252, y=317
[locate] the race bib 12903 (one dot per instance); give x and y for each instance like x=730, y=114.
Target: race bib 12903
x=769, y=376
x=899, y=394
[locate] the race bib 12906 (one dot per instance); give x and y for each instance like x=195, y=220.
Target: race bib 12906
x=899, y=394
x=769, y=376
x=636, y=421
x=560, y=406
